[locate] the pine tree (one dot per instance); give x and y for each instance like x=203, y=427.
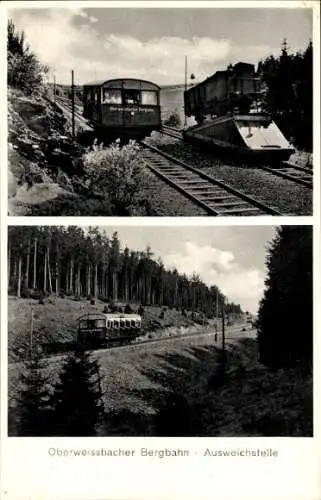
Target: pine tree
x=77, y=398
x=33, y=401
x=285, y=314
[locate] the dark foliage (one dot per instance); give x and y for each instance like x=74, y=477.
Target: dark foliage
x=285, y=321
x=128, y=309
x=77, y=399
x=91, y=264
x=33, y=403
x=24, y=70
x=173, y=120
x=288, y=93
x=174, y=417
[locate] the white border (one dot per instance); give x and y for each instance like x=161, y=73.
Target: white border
x=28, y=471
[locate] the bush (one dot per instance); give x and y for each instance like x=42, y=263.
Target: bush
x=24, y=70
x=173, y=120
x=128, y=309
x=118, y=174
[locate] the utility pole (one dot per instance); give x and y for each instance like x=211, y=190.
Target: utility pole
x=31, y=334
x=223, y=337
x=54, y=88
x=185, y=118
x=216, y=317
x=72, y=104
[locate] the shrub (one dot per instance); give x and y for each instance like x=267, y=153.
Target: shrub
x=24, y=70
x=118, y=174
x=173, y=120
x=141, y=311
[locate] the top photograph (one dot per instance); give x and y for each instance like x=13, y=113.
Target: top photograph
x=160, y=111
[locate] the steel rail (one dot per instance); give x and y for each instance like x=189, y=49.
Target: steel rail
x=124, y=346
x=288, y=176
x=275, y=171
x=211, y=182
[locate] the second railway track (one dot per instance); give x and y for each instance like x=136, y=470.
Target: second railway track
x=213, y=195
x=286, y=170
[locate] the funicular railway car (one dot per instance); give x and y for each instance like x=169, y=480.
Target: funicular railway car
x=107, y=329
x=123, y=108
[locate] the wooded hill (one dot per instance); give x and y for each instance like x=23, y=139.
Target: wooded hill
x=71, y=261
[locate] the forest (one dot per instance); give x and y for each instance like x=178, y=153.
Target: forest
x=71, y=261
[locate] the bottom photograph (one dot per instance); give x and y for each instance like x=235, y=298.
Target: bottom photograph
x=160, y=331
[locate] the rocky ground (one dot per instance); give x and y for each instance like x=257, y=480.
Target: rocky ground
x=41, y=155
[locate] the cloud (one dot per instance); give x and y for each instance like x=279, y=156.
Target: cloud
x=219, y=267
x=68, y=39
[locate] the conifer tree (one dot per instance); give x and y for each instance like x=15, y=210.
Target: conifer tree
x=33, y=401
x=77, y=399
x=285, y=314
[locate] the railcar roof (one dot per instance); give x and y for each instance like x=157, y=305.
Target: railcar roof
x=122, y=316
x=100, y=83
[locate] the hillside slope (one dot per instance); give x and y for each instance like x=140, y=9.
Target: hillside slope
x=41, y=154
x=57, y=321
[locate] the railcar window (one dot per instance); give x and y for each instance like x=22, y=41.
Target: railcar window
x=127, y=323
x=91, y=323
x=133, y=323
x=111, y=96
x=100, y=323
x=131, y=97
x=122, y=323
x=149, y=98
x=83, y=324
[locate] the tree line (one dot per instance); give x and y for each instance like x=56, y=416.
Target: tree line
x=71, y=261
x=288, y=93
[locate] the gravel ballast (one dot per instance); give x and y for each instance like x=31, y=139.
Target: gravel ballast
x=284, y=195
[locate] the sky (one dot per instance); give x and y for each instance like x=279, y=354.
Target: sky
x=151, y=43
x=232, y=257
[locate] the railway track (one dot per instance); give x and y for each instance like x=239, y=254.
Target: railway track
x=64, y=103
x=214, y=196
x=209, y=333
x=286, y=170
x=67, y=348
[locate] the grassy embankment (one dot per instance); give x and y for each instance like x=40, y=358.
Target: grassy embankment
x=249, y=400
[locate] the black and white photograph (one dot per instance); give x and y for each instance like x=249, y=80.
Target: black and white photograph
x=160, y=111
x=160, y=241
x=145, y=331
